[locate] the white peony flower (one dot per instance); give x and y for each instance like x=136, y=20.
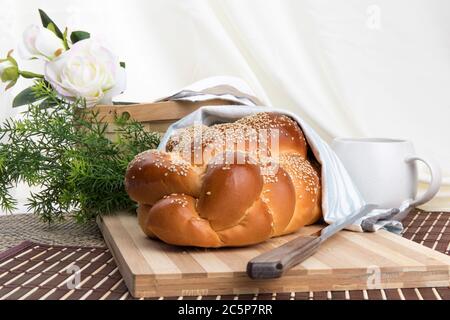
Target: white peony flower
x=88, y=70
x=40, y=42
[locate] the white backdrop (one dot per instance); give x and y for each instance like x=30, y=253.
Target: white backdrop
x=349, y=67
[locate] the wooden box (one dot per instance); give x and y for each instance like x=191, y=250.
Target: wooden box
x=155, y=117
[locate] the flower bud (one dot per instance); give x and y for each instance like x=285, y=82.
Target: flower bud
x=41, y=43
x=9, y=72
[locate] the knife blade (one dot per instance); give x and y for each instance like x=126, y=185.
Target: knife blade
x=338, y=226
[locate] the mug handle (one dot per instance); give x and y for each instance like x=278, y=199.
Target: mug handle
x=435, y=183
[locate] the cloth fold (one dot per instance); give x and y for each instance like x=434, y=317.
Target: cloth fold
x=225, y=88
x=340, y=196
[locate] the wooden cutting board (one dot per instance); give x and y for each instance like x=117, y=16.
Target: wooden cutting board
x=347, y=261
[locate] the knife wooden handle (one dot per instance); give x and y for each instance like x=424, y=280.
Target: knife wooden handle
x=274, y=263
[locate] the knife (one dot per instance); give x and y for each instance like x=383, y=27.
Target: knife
x=274, y=263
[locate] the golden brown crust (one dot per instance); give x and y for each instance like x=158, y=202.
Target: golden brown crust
x=242, y=135
x=246, y=199
x=255, y=227
x=291, y=138
x=279, y=196
x=142, y=215
x=154, y=174
x=307, y=189
x=228, y=191
x=174, y=220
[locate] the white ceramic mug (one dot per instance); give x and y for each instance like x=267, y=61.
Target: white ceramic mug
x=384, y=170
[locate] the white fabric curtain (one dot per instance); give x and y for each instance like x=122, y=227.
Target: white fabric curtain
x=349, y=67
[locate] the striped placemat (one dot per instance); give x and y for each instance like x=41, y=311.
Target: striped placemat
x=40, y=271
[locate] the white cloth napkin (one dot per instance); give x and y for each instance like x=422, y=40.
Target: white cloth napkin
x=221, y=87
x=340, y=197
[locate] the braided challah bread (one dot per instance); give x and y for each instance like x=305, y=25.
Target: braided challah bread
x=230, y=184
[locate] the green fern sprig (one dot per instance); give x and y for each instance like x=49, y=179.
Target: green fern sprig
x=61, y=147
